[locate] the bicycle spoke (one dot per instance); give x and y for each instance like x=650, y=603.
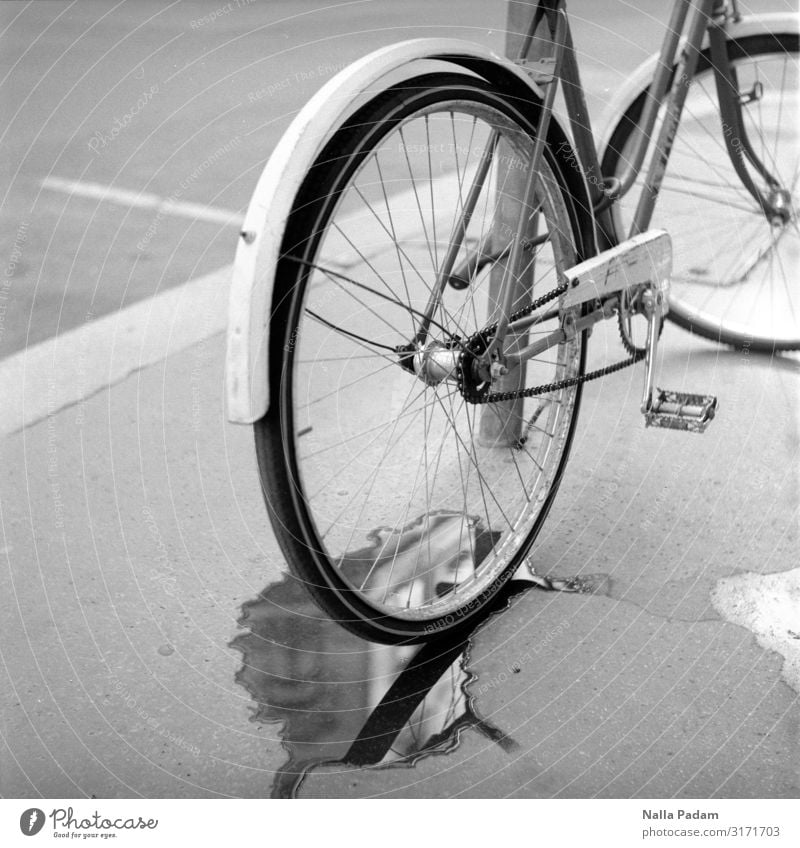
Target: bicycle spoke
x=335, y=277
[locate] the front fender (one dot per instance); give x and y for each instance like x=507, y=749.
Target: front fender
x=262, y=233
x=779, y=22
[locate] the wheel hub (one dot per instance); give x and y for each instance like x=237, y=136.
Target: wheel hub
x=433, y=362
x=780, y=202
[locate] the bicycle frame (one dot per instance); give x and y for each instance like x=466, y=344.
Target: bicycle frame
x=412, y=416
x=548, y=53
x=248, y=351
x=670, y=84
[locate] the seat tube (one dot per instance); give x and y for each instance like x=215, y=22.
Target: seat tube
x=674, y=107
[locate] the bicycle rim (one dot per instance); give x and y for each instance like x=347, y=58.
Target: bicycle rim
x=406, y=516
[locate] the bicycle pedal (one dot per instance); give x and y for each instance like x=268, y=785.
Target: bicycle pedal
x=681, y=411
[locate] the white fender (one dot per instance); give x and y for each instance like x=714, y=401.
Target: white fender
x=779, y=22
x=259, y=245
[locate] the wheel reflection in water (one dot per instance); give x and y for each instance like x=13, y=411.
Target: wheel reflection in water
x=344, y=699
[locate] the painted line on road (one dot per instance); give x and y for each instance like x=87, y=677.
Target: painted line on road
x=144, y=200
x=62, y=371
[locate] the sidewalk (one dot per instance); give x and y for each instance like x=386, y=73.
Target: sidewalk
x=133, y=531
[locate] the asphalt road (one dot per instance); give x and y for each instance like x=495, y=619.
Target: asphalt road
x=161, y=99
x=132, y=524
x=185, y=102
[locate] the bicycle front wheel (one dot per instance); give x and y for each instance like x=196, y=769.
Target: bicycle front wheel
x=734, y=273
x=390, y=496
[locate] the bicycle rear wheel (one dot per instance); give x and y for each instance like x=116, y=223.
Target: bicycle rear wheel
x=734, y=273
x=401, y=519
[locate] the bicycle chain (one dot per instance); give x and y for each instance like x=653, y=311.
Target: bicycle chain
x=627, y=342
x=481, y=340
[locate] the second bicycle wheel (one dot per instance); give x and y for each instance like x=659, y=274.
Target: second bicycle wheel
x=734, y=273
x=403, y=507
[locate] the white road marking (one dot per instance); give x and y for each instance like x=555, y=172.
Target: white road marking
x=61, y=371
x=144, y=200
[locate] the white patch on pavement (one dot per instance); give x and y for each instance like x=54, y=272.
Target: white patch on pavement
x=769, y=606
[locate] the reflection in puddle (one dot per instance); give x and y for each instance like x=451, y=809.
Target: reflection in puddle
x=343, y=699
x=424, y=560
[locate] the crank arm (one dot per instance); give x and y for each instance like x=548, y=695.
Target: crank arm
x=654, y=303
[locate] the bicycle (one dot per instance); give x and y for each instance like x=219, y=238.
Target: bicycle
x=420, y=268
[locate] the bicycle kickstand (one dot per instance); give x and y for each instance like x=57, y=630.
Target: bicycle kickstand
x=674, y=410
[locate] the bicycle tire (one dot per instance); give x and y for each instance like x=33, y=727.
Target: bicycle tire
x=747, y=303
x=350, y=515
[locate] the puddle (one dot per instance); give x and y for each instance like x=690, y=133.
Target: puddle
x=344, y=699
